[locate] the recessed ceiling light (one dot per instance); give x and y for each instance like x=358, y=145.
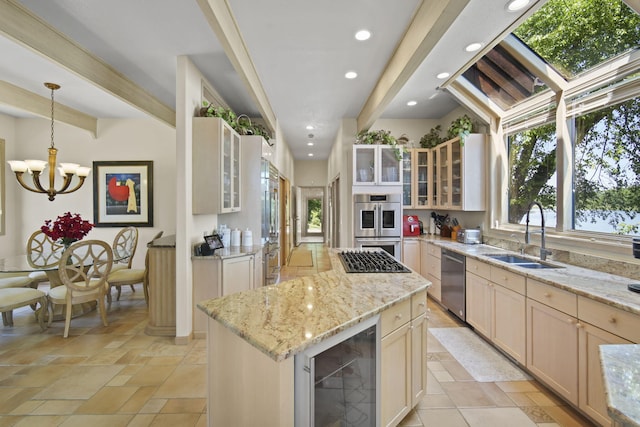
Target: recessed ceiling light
x=309, y=127
x=351, y=75
x=363, y=35
x=411, y=103
x=516, y=5
x=443, y=75
x=473, y=47
x=310, y=154
x=310, y=143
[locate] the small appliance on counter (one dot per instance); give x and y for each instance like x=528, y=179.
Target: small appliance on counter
x=469, y=236
x=410, y=225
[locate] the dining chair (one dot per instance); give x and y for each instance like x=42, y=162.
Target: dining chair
x=131, y=276
x=84, y=268
x=43, y=252
x=124, y=249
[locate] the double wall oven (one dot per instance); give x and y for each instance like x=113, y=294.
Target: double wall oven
x=378, y=222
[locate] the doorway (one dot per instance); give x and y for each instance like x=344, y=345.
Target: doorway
x=312, y=224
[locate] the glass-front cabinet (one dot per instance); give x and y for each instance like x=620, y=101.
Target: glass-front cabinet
x=376, y=165
x=461, y=178
x=418, y=178
x=216, y=167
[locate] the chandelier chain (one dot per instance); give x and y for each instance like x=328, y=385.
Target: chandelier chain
x=52, y=102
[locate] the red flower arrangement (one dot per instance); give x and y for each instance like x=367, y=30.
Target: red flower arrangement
x=67, y=228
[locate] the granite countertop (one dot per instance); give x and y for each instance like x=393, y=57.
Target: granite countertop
x=621, y=370
x=284, y=319
x=603, y=287
x=231, y=252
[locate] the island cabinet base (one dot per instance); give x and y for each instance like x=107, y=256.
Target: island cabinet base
x=246, y=387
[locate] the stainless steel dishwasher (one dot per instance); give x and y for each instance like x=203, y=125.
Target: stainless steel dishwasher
x=453, y=283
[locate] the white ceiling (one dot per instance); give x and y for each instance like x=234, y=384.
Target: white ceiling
x=300, y=50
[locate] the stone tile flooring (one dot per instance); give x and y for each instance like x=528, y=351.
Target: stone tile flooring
x=119, y=376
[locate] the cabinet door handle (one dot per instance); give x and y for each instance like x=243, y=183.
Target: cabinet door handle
x=547, y=295
x=570, y=320
x=398, y=316
x=421, y=304
x=578, y=325
x=612, y=319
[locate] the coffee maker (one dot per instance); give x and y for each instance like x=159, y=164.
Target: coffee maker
x=411, y=225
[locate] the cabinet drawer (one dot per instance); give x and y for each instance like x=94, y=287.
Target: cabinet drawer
x=509, y=280
x=479, y=268
x=611, y=319
x=418, y=304
x=433, y=250
x=433, y=266
x=395, y=316
x=553, y=297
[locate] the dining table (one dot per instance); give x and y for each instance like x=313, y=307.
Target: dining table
x=47, y=261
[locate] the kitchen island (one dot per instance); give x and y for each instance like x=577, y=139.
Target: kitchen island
x=253, y=336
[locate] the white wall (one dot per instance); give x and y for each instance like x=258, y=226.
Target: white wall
x=118, y=139
x=311, y=173
x=414, y=129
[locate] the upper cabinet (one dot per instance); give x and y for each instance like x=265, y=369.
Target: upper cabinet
x=418, y=174
x=376, y=165
x=216, y=167
x=449, y=176
x=460, y=174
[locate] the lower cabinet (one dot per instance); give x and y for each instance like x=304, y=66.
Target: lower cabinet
x=495, y=304
x=215, y=277
x=411, y=254
x=403, y=365
x=430, y=267
x=552, y=348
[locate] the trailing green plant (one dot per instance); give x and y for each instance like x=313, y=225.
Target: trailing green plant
x=382, y=137
x=241, y=124
x=462, y=127
x=433, y=138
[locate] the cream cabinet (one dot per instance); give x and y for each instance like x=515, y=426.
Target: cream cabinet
x=376, y=165
x=215, y=277
x=403, y=358
x=418, y=178
x=430, y=267
x=552, y=338
x=460, y=174
x=237, y=274
x=411, y=254
x=216, y=167
x=495, y=306
x=599, y=324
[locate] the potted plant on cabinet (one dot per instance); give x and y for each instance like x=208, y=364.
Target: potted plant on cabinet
x=462, y=127
x=382, y=137
x=241, y=124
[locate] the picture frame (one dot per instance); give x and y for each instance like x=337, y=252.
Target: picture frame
x=123, y=193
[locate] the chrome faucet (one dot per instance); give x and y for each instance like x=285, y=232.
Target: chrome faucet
x=543, y=250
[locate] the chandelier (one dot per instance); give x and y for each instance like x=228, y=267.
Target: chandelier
x=36, y=167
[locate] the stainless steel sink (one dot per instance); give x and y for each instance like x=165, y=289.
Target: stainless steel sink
x=520, y=261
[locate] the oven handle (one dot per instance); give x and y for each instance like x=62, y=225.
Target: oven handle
x=450, y=258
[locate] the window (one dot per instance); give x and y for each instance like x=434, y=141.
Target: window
x=607, y=169
x=532, y=173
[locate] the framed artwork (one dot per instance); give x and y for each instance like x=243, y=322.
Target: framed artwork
x=123, y=193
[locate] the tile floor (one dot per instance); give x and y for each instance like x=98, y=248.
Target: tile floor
x=119, y=376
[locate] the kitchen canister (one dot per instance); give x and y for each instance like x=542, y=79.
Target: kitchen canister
x=247, y=238
x=235, y=237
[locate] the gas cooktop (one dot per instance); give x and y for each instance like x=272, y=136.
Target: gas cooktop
x=370, y=262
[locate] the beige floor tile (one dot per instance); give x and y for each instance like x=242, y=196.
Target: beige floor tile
x=173, y=420
x=138, y=400
x=153, y=406
x=40, y=420
x=151, y=375
x=81, y=382
x=442, y=417
x=496, y=417
x=518, y=386
x=108, y=400
x=433, y=386
x=431, y=401
x=498, y=396
x=97, y=421
x=537, y=414
x=177, y=406
x=456, y=370
x=58, y=407
x=27, y=407
x=443, y=376
x=142, y=420
x=186, y=381
x=521, y=399
x=411, y=420
x=545, y=399
x=467, y=394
